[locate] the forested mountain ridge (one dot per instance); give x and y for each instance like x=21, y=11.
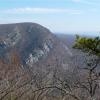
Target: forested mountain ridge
x=30, y=55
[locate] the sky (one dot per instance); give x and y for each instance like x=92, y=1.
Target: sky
x=63, y=16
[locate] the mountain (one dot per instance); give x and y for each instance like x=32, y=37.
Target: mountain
x=30, y=55
x=30, y=40
x=25, y=38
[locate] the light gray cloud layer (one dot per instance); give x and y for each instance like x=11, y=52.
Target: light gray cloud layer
x=29, y=10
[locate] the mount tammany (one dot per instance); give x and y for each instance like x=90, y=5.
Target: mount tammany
x=30, y=55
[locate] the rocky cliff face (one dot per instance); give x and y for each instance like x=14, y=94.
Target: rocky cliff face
x=38, y=53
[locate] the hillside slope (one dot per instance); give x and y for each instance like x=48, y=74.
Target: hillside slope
x=30, y=55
